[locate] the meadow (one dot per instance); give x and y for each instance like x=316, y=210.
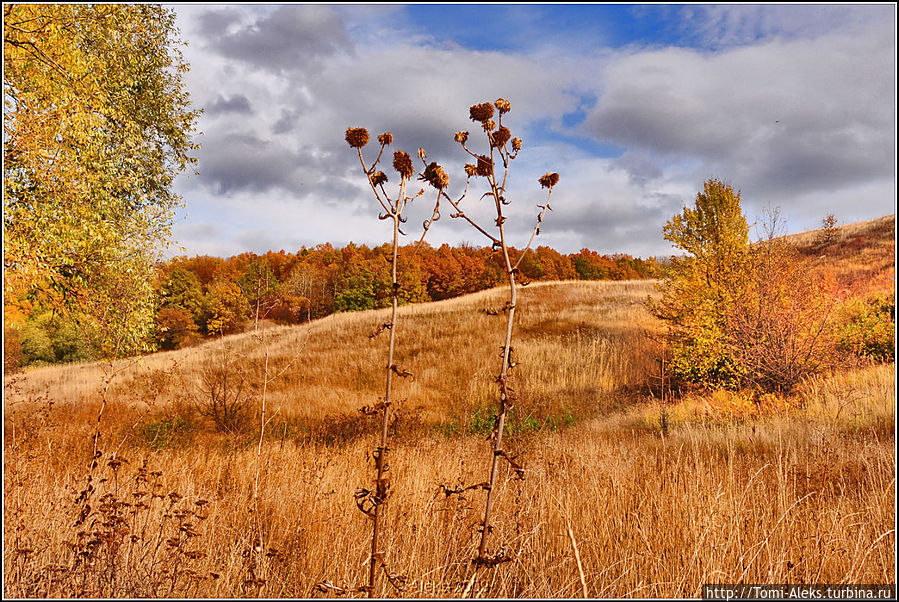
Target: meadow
x=623, y=494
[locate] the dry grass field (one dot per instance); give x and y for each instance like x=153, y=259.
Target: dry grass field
x=621, y=496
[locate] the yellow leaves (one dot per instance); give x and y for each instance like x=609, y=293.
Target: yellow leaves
x=97, y=126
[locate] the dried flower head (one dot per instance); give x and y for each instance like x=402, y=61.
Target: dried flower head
x=485, y=166
x=386, y=138
x=500, y=137
x=378, y=178
x=503, y=105
x=402, y=162
x=422, y=154
x=481, y=112
x=549, y=180
x=471, y=170
x=516, y=144
x=435, y=176
x=461, y=137
x=489, y=125
x=357, y=137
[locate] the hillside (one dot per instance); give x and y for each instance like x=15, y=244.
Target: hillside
x=578, y=344
x=331, y=366
x=621, y=495
x=861, y=256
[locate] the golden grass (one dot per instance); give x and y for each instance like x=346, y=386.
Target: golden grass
x=861, y=257
x=330, y=366
x=715, y=493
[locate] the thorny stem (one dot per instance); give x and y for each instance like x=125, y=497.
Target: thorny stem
x=381, y=453
x=497, y=191
x=503, y=389
x=460, y=213
x=536, y=228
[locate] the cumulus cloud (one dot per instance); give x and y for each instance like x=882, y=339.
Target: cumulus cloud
x=284, y=39
x=780, y=117
x=796, y=113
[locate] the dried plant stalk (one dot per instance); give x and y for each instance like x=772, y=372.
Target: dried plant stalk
x=498, y=137
x=372, y=503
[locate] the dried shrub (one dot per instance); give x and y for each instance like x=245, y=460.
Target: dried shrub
x=225, y=394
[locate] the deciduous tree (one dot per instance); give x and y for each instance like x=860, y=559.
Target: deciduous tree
x=701, y=287
x=96, y=126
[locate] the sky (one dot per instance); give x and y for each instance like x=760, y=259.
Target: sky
x=635, y=106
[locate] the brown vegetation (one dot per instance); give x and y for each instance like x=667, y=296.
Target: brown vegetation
x=658, y=499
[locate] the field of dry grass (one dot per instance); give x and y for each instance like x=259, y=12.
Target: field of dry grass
x=861, y=256
x=621, y=496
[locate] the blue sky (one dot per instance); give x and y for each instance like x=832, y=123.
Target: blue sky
x=633, y=105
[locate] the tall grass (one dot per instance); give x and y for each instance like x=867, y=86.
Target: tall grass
x=794, y=491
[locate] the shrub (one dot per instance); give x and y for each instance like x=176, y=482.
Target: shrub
x=866, y=327
x=12, y=350
x=225, y=394
x=779, y=330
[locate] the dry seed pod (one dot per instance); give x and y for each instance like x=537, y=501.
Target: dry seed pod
x=436, y=176
x=485, y=166
x=378, y=178
x=357, y=137
x=402, y=162
x=461, y=137
x=516, y=144
x=500, y=137
x=471, y=170
x=549, y=180
x=503, y=105
x=489, y=125
x=481, y=112
x=386, y=138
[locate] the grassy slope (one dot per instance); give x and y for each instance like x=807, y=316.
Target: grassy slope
x=861, y=256
x=577, y=342
x=659, y=499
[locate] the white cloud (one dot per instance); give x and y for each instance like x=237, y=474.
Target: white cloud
x=782, y=117
x=804, y=118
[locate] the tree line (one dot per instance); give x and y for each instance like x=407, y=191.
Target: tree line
x=204, y=296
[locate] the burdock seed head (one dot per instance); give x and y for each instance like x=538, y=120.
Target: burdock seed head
x=516, y=144
x=386, y=138
x=378, y=178
x=435, y=176
x=481, y=112
x=500, y=136
x=357, y=137
x=503, y=105
x=485, y=166
x=402, y=162
x=549, y=180
x=461, y=137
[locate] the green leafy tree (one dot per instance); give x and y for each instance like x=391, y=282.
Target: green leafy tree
x=96, y=126
x=702, y=287
x=867, y=327
x=181, y=290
